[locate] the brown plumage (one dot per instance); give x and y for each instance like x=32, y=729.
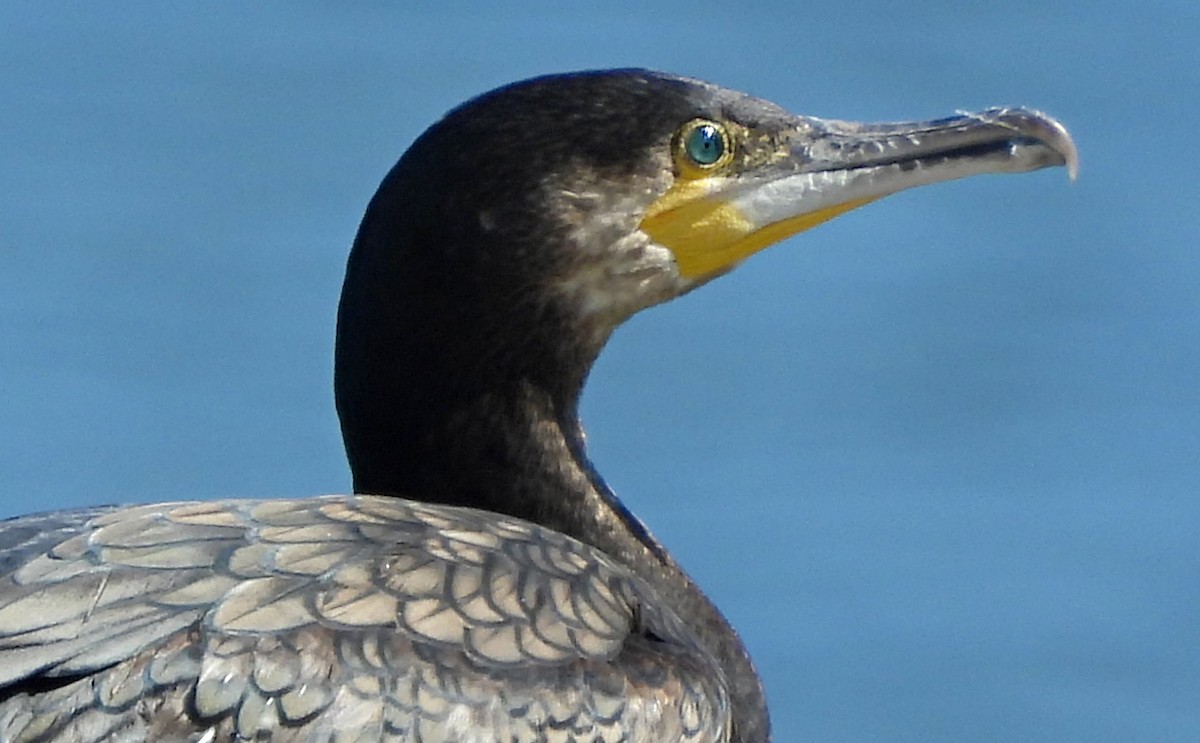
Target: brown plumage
x=343, y=618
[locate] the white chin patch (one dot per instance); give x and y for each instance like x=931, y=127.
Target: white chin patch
x=631, y=275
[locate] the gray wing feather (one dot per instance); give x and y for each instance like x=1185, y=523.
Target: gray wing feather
x=344, y=618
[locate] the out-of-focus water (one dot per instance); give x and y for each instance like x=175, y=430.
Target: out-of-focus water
x=939, y=459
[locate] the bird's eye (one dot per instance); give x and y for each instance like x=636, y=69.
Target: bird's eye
x=704, y=143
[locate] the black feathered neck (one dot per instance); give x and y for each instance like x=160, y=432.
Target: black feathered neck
x=459, y=366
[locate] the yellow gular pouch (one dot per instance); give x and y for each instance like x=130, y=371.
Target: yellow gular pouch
x=707, y=233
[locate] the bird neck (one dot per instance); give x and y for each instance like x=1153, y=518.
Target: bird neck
x=458, y=382
x=517, y=450
x=478, y=431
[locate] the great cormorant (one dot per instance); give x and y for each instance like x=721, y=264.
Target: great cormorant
x=484, y=584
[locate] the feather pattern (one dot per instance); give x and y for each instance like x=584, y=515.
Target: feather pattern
x=342, y=618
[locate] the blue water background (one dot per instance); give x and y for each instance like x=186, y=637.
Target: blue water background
x=939, y=459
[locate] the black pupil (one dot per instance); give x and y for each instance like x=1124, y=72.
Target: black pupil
x=705, y=145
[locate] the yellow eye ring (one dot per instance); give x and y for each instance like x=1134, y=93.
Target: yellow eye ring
x=702, y=146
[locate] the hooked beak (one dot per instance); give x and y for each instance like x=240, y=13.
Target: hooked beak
x=825, y=168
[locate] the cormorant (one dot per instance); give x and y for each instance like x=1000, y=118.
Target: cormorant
x=484, y=584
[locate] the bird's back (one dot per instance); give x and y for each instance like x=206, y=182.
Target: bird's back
x=342, y=618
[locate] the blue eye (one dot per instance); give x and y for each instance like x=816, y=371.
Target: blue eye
x=705, y=144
